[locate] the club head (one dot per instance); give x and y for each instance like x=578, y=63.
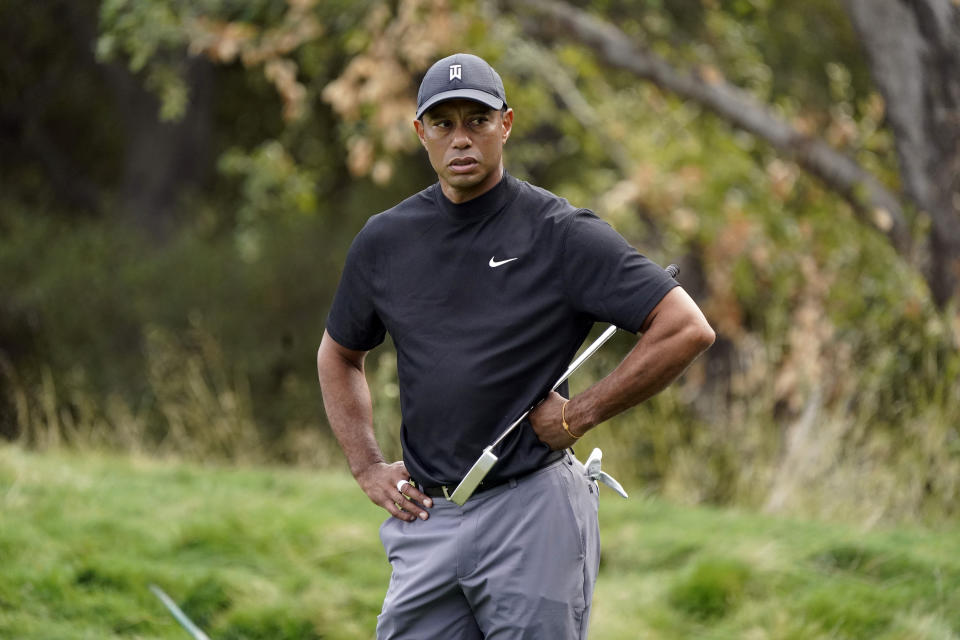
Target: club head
x=474, y=477
x=611, y=482
x=593, y=463
x=594, y=472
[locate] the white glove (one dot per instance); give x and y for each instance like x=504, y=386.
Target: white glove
x=597, y=475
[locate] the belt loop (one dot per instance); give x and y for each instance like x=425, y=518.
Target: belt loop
x=513, y=483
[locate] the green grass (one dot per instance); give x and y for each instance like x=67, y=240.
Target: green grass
x=279, y=553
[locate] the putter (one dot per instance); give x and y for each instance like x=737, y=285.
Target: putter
x=488, y=458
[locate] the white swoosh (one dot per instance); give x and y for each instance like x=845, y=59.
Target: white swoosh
x=496, y=263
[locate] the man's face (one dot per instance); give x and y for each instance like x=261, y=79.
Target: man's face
x=464, y=140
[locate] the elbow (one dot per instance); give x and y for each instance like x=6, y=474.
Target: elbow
x=321, y=361
x=334, y=360
x=700, y=335
x=707, y=336
x=326, y=360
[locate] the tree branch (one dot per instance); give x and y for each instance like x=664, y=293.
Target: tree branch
x=873, y=202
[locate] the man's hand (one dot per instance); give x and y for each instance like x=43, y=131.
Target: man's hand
x=380, y=482
x=346, y=397
x=674, y=334
x=548, y=425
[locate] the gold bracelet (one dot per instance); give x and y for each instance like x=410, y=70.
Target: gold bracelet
x=563, y=421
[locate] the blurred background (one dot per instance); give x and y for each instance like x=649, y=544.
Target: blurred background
x=180, y=181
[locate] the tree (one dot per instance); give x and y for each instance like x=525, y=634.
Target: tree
x=286, y=123
x=914, y=53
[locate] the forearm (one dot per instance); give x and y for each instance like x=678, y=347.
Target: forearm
x=346, y=398
x=671, y=343
x=646, y=371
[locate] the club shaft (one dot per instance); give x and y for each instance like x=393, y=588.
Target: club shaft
x=180, y=616
x=672, y=271
x=486, y=461
x=589, y=351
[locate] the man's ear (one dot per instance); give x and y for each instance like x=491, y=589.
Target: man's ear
x=418, y=125
x=506, y=118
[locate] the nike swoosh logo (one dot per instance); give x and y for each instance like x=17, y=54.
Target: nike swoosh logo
x=496, y=263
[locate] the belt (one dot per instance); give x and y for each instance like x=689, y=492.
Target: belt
x=446, y=490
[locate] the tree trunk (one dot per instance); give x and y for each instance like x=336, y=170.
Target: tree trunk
x=163, y=157
x=913, y=48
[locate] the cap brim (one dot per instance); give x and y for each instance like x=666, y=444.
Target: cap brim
x=490, y=100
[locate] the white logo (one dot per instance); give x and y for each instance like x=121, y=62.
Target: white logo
x=456, y=72
x=496, y=263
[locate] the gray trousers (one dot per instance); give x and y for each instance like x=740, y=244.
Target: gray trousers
x=515, y=562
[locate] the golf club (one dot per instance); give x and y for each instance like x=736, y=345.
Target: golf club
x=181, y=617
x=488, y=458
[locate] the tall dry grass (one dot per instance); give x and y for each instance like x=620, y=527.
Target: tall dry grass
x=195, y=406
x=854, y=448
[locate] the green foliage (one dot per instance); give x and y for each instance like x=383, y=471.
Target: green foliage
x=269, y=623
x=205, y=601
x=712, y=588
x=273, y=185
x=146, y=326
x=281, y=553
x=144, y=31
x=151, y=37
x=862, y=614
x=202, y=342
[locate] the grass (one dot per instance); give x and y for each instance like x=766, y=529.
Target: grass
x=281, y=553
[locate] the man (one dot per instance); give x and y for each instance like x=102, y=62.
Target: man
x=488, y=286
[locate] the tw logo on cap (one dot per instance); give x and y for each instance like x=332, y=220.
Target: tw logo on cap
x=456, y=72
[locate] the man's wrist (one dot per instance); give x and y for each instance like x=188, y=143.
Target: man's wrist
x=361, y=468
x=563, y=421
x=574, y=418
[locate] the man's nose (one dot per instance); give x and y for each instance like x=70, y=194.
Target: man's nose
x=461, y=137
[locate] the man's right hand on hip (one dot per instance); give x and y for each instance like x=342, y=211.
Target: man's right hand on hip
x=383, y=482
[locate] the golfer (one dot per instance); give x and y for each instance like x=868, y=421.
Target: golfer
x=488, y=285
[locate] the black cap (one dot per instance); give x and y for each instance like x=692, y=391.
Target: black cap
x=461, y=76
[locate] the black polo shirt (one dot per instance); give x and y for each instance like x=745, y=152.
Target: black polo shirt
x=487, y=302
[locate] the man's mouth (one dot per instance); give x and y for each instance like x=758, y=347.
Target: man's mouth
x=463, y=165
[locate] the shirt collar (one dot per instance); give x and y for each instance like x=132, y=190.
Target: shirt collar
x=487, y=203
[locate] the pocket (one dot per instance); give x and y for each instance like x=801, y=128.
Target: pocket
x=571, y=487
x=591, y=485
x=384, y=533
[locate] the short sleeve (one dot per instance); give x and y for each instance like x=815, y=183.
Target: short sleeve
x=607, y=278
x=353, y=321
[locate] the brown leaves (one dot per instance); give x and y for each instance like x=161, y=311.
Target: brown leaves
x=220, y=41
x=783, y=176
x=710, y=75
x=282, y=72
x=723, y=307
x=224, y=42
x=808, y=339
x=377, y=87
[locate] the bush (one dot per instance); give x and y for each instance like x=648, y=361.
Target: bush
x=711, y=589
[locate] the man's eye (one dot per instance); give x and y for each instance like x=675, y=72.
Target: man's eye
x=479, y=120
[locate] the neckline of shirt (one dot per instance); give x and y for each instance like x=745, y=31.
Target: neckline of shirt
x=486, y=204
